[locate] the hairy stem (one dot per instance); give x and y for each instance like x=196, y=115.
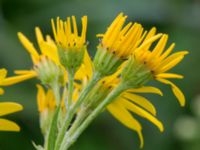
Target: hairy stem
x=73, y=109
x=70, y=88
x=69, y=140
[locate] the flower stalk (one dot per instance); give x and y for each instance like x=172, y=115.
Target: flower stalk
x=69, y=139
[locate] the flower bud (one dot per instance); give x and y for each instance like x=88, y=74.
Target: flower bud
x=48, y=72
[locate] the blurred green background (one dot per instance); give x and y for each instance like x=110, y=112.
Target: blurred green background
x=179, y=18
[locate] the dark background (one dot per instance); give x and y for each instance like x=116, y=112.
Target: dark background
x=179, y=18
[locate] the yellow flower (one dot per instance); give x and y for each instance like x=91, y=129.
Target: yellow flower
x=120, y=40
x=8, y=108
x=159, y=62
x=65, y=37
x=71, y=45
x=117, y=44
x=48, y=50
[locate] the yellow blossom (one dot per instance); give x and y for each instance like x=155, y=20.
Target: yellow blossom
x=159, y=62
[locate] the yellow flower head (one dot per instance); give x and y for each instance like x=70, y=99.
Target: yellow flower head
x=120, y=40
x=5, y=109
x=66, y=37
x=158, y=61
x=71, y=45
x=45, y=61
x=117, y=44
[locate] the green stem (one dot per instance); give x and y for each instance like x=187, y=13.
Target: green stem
x=86, y=90
x=56, y=91
x=73, y=109
x=51, y=136
x=80, y=117
x=70, y=88
x=71, y=139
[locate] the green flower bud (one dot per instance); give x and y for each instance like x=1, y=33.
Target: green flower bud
x=48, y=72
x=71, y=58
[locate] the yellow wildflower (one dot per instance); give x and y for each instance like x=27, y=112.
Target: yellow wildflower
x=159, y=62
x=71, y=46
x=117, y=44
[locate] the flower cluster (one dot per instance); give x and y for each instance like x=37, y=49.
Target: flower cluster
x=75, y=89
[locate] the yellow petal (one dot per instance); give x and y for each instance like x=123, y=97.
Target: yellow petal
x=41, y=98
x=86, y=69
x=22, y=72
x=157, y=51
x=141, y=101
x=19, y=78
x=139, y=111
x=50, y=51
x=169, y=75
x=171, y=61
x=39, y=38
x=6, y=125
x=171, y=64
x=177, y=92
x=84, y=28
x=51, y=100
x=145, y=45
x=74, y=25
x=125, y=117
x=149, y=35
x=167, y=52
x=9, y=107
x=54, y=30
x=147, y=89
x=29, y=47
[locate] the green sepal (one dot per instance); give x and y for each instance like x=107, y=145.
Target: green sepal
x=71, y=58
x=106, y=62
x=48, y=72
x=135, y=74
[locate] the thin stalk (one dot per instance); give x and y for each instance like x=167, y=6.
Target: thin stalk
x=56, y=91
x=70, y=88
x=69, y=140
x=72, y=110
x=51, y=136
x=96, y=77
x=80, y=117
